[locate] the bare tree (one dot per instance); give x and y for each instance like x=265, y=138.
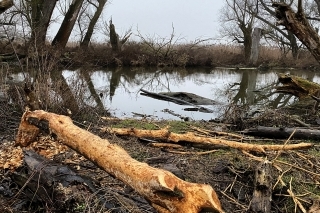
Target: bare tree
x=238, y=21
x=67, y=25
x=115, y=41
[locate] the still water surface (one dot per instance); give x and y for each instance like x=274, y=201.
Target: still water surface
x=118, y=90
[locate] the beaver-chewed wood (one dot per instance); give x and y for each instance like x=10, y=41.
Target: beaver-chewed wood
x=165, y=192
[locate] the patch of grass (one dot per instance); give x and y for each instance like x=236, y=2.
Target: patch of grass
x=178, y=126
x=314, y=152
x=132, y=123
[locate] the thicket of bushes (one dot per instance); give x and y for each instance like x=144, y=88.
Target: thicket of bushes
x=187, y=55
x=157, y=54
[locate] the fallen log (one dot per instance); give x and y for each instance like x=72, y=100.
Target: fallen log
x=163, y=190
x=283, y=132
x=166, y=135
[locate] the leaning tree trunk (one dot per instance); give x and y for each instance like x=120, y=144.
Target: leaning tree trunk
x=93, y=22
x=5, y=4
x=298, y=24
x=66, y=27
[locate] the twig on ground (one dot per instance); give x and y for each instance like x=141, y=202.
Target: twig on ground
x=234, y=200
x=285, y=143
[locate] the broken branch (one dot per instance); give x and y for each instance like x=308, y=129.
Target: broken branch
x=166, y=135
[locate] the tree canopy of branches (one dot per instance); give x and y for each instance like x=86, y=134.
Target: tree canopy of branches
x=238, y=23
x=33, y=18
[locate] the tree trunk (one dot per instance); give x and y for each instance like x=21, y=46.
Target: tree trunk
x=5, y=4
x=165, y=192
x=299, y=26
x=247, y=42
x=66, y=27
x=93, y=21
x=41, y=12
x=256, y=35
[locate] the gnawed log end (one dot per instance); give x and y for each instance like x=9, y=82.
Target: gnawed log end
x=27, y=133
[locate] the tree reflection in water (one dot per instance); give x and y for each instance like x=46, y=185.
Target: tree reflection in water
x=117, y=90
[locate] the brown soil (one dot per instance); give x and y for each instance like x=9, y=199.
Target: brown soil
x=230, y=172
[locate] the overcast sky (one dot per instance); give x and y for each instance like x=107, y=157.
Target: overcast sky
x=192, y=19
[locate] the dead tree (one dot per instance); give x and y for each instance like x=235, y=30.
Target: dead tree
x=298, y=24
x=256, y=35
x=115, y=41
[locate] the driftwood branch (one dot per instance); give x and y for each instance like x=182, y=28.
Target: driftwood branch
x=161, y=188
x=166, y=135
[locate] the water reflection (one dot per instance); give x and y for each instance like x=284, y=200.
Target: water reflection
x=118, y=90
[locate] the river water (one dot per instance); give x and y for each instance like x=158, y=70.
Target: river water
x=118, y=90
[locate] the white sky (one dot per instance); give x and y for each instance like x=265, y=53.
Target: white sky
x=192, y=19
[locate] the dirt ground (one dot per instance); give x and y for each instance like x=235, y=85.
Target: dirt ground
x=295, y=174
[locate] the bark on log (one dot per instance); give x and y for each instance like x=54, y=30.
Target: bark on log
x=166, y=135
x=261, y=200
x=282, y=133
x=5, y=4
x=162, y=189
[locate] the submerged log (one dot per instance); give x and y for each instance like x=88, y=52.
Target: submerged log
x=161, y=188
x=283, y=132
x=193, y=100
x=166, y=135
